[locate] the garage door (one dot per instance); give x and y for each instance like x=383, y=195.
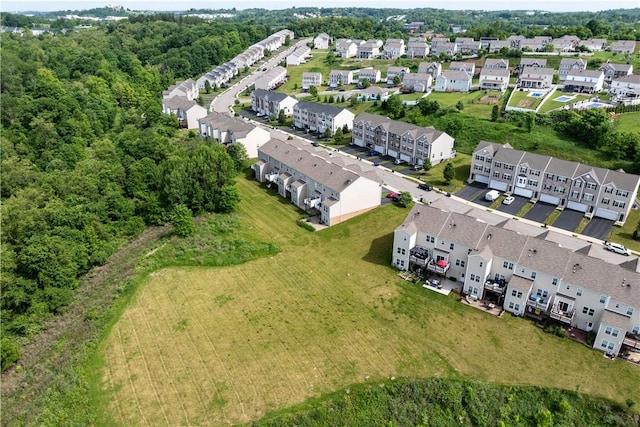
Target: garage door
x=379, y=149
x=606, y=214
x=481, y=178
x=523, y=192
x=392, y=153
x=549, y=199
x=359, y=142
x=405, y=157
x=500, y=186
x=580, y=207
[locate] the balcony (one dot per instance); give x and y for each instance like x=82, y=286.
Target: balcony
x=560, y=315
x=440, y=267
x=538, y=302
x=272, y=177
x=312, y=202
x=497, y=286
x=632, y=341
x=419, y=256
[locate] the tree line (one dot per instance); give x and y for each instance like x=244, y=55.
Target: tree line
x=89, y=160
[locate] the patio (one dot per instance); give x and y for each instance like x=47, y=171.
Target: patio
x=484, y=305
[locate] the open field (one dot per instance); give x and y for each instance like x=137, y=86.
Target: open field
x=478, y=103
x=212, y=346
x=628, y=122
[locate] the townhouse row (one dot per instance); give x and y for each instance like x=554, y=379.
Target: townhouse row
x=544, y=275
x=596, y=192
x=315, y=181
x=227, y=130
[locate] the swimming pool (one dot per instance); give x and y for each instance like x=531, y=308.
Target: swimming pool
x=536, y=94
x=564, y=98
x=595, y=105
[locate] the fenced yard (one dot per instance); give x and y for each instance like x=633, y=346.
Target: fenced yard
x=213, y=346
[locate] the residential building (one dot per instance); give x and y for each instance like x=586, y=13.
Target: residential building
x=498, y=45
x=413, y=26
x=516, y=41
x=187, y=89
x=433, y=68
x=626, y=87
x=417, y=49
x=447, y=48
x=615, y=71
x=393, y=72
x=453, y=81
x=346, y=48
x=393, y=49
x=416, y=82
x=404, y=141
x=340, y=77
x=594, y=45
x=468, y=46
x=317, y=118
x=322, y=41
x=485, y=42
x=494, y=78
x=623, y=46
x=496, y=64
x=595, y=191
x=531, y=62
x=271, y=79
x=584, y=81
x=535, y=78
x=229, y=130
x=570, y=64
x=371, y=74
x=267, y=103
x=314, y=183
x=565, y=43
x=374, y=93
x=460, y=41
x=436, y=42
x=187, y=111
x=540, y=274
x=467, y=67
x=311, y=79
x=299, y=56
x=368, y=50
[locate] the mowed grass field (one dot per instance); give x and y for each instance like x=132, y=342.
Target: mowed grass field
x=216, y=346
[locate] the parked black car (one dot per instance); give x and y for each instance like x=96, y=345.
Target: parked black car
x=425, y=186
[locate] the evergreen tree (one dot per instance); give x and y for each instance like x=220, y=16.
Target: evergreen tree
x=449, y=173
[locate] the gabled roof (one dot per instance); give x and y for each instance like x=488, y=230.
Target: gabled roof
x=398, y=127
x=631, y=78
x=493, y=62
x=178, y=102
x=494, y=72
x=327, y=110
x=540, y=62
x=617, y=67
x=535, y=161
x=511, y=157
x=455, y=75
x=585, y=73
x=270, y=95
x=316, y=168
x=573, y=61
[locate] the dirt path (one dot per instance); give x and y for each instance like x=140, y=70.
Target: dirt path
x=60, y=343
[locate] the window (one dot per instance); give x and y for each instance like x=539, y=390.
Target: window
x=608, y=190
x=517, y=307
x=533, y=275
x=496, y=174
x=591, y=311
x=534, y=172
x=603, y=299
x=478, y=278
x=575, y=194
x=402, y=263
x=619, y=204
x=605, y=201
x=630, y=311
x=608, y=345
x=481, y=264
x=508, y=167
x=487, y=170
x=587, y=197
x=559, y=190
x=577, y=184
x=608, y=330
x=460, y=262
x=554, y=281
x=591, y=186
x=635, y=330
x=472, y=277
x=508, y=265
x=532, y=183
x=561, y=179
x=568, y=287
x=511, y=305
x=523, y=169
x=549, y=176
x=622, y=193
x=506, y=176
x=479, y=157
x=579, y=292
x=489, y=159
x=497, y=164
x=451, y=246
x=403, y=252
x=547, y=187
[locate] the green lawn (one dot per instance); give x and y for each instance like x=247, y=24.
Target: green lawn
x=226, y=345
x=478, y=103
x=624, y=234
x=521, y=99
x=435, y=177
x=551, y=104
x=628, y=122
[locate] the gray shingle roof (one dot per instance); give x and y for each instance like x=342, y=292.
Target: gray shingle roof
x=455, y=75
x=398, y=127
x=327, y=110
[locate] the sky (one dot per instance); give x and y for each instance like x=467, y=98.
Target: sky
x=549, y=5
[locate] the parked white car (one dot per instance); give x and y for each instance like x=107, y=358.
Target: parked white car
x=617, y=248
x=508, y=200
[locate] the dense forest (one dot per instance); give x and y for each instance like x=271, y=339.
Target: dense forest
x=88, y=160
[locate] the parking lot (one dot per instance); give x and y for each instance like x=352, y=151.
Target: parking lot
x=540, y=211
x=598, y=228
x=569, y=219
x=515, y=206
x=473, y=191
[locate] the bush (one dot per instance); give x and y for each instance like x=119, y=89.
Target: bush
x=304, y=224
x=9, y=353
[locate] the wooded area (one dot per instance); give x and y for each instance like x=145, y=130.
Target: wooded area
x=88, y=160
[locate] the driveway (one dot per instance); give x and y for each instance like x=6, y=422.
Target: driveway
x=356, y=150
x=472, y=191
x=540, y=211
x=598, y=228
x=568, y=219
x=514, y=207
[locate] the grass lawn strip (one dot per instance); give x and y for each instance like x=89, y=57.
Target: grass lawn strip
x=324, y=313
